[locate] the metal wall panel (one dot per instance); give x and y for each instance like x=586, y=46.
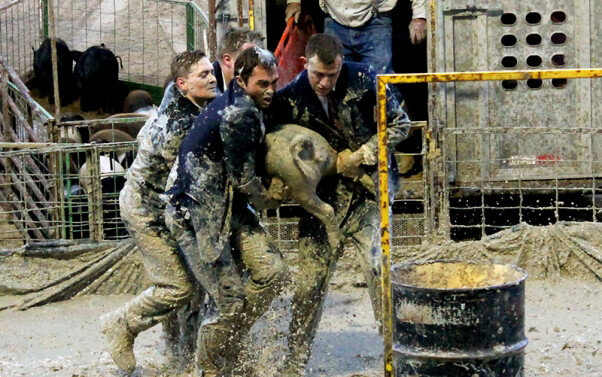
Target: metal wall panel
x=517, y=34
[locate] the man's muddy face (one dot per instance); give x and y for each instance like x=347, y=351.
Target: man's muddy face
x=323, y=77
x=200, y=84
x=261, y=85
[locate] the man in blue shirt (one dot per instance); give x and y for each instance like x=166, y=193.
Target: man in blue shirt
x=212, y=215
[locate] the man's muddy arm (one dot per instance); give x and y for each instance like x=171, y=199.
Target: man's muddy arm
x=240, y=137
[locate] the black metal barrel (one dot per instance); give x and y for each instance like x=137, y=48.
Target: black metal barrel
x=458, y=319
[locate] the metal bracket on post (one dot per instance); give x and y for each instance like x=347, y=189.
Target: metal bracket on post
x=472, y=8
x=226, y=17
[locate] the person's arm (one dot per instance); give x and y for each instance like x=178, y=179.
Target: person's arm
x=173, y=134
x=418, y=25
x=293, y=9
x=398, y=129
x=170, y=147
x=240, y=136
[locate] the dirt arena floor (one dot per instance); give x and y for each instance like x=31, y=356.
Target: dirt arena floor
x=563, y=324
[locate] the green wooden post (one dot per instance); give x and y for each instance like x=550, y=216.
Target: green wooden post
x=189, y=27
x=45, y=15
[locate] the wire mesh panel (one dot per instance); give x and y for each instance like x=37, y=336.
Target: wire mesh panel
x=410, y=204
x=94, y=174
x=284, y=230
x=77, y=199
x=20, y=31
x=487, y=205
x=28, y=196
x=197, y=28
x=145, y=34
x=91, y=195
x=23, y=120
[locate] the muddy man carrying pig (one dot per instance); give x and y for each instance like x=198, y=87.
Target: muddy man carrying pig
x=336, y=100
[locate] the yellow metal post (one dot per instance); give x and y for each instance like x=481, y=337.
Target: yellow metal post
x=385, y=226
x=492, y=76
x=251, y=15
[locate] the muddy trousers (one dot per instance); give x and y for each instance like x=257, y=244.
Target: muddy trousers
x=172, y=283
x=242, y=283
x=317, y=261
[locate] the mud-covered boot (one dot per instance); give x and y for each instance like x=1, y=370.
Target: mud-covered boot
x=207, y=373
x=120, y=340
x=170, y=345
x=293, y=368
x=296, y=359
x=213, y=350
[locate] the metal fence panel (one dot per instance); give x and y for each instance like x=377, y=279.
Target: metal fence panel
x=88, y=183
x=20, y=31
x=146, y=34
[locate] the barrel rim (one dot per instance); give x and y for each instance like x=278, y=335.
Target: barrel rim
x=487, y=288
x=493, y=353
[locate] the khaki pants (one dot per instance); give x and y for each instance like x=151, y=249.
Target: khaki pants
x=317, y=261
x=172, y=283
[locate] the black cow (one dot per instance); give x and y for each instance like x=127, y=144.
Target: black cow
x=42, y=66
x=97, y=73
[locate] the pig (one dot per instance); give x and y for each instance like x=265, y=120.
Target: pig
x=131, y=128
x=42, y=67
x=140, y=102
x=299, y=158
x=97, y=73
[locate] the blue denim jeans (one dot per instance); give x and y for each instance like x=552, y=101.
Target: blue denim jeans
x=369, y=44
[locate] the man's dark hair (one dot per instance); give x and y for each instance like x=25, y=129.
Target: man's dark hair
x=325, y=46
x=180, y=65
x=251, y=58
x=234, y=38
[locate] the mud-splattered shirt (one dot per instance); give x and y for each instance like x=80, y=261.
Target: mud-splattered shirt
x=354, y=101
x=158, y=144
x=216, y=159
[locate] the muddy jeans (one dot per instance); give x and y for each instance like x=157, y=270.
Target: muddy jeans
x=172, y=282
x=242, y=282
x=317, y=261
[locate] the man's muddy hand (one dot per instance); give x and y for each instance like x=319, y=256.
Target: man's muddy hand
x=278, y=190
x=348, y=163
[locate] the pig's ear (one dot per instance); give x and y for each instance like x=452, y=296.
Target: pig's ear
x=302, y=151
